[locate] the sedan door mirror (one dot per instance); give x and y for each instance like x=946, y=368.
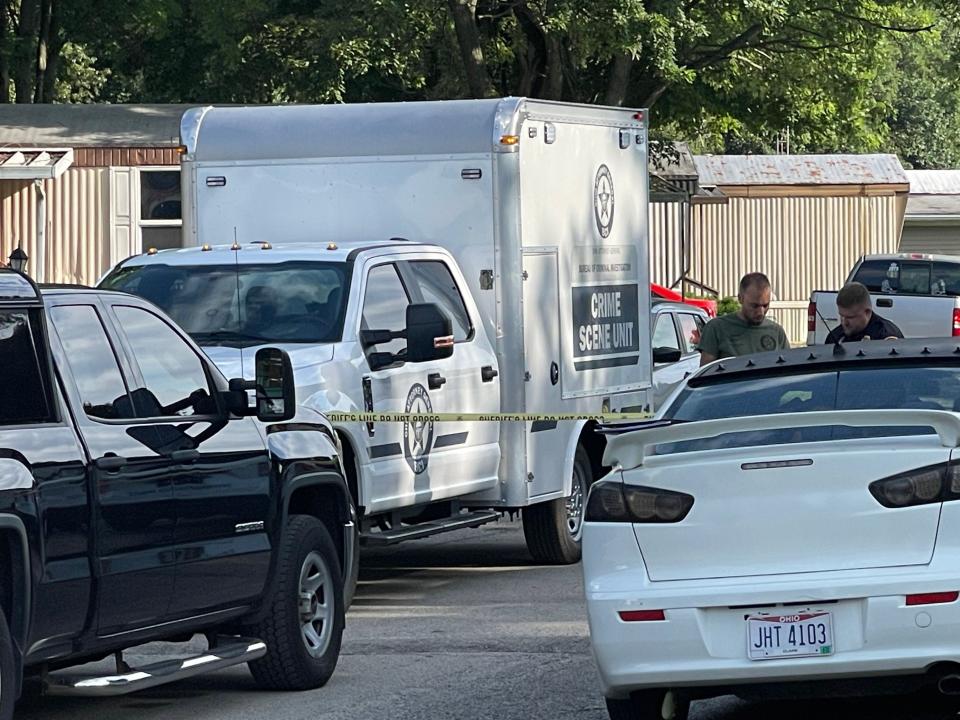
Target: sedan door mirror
x=429, y=333
x=665, y=355
x=276, y=395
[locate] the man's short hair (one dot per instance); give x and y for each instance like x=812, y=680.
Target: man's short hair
x=754, y=279
x=853, y=295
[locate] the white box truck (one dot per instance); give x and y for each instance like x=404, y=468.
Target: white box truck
x=523, y=221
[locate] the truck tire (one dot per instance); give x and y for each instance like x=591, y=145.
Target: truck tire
x=8, y=681
x=303, y=626
x=552, y=529
x=649, y=705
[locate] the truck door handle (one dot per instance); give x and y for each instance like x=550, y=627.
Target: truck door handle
x=110, y=463
x=884, y=302
x=184, y=455
x=435, y=380
x=488, y=373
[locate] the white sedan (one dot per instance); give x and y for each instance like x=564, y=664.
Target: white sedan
x=789, y=519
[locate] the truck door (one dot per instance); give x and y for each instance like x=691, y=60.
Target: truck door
x=397, y=454
x=221, y=476
x=131, y=482
x=465, y=456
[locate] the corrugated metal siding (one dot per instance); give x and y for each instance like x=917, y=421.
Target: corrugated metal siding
x=801, y=243
x=76, y=219
x=938, y=239
x=666, y=258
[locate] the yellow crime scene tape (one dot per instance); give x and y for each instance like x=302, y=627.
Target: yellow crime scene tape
x=373, y=417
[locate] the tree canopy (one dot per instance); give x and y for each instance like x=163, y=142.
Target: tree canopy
x=725, y=75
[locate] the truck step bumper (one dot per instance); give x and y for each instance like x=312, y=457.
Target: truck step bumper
x=433, y=527
x=228, y=652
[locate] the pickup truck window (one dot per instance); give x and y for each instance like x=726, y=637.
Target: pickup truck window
x=690, y=329
x=174, y=377
x=244, y=305
x=895, y=276
x=24, y=395
x=665, y=332
x=436, y=285
x=91, y=358
x=385, y=305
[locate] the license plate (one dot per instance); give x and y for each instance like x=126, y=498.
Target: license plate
x=787, y=636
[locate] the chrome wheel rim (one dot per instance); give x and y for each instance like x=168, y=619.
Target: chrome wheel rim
x=315, y=604
x=575, y=502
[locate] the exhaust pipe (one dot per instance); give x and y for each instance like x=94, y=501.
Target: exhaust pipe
x=949, y=684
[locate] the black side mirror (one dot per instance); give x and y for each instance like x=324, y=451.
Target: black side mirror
x=429, y=333
x=665, y=355
x=276, y=392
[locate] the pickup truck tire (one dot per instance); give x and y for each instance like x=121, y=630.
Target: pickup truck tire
x=552, y=529
x=303, y=626
x=8, y=689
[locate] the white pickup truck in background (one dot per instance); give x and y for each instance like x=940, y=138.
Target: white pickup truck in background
x=919, y=293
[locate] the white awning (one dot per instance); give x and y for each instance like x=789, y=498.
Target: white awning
x=34, y=163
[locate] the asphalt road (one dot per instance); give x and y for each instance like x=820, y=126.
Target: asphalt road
x=460, y=626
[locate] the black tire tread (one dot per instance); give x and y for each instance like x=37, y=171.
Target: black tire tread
x=545, y=528
x=283, y=667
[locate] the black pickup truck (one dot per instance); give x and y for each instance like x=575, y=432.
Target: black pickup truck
x=143, y=498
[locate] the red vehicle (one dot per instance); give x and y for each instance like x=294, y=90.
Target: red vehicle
x=708, y=306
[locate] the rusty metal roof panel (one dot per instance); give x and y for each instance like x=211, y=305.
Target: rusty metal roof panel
x=800, y=170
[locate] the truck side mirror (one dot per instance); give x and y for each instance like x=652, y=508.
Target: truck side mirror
x=429, y=333
x=665, y=355
x=276, y=392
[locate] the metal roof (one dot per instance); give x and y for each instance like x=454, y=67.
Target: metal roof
x=933, y=194
x=34, y=163
x=725, y=170
x=436, y=127
x=63, y=125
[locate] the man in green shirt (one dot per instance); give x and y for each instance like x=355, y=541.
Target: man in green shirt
x=747, y=331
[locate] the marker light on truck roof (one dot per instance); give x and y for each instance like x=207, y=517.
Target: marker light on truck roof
x=509, y=139
x=235, y=246
x=151, y=251
x=205, y=248
x=332, y=246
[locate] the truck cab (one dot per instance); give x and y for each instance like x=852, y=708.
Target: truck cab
x=143, y=498
x=342, y=312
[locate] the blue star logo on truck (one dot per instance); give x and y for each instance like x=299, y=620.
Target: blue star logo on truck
x=418, y=434
x=603, y=200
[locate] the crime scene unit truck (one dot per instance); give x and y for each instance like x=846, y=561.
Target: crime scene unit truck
x=429, y=259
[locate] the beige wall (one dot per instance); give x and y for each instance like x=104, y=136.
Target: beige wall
x=801, y=243
x=76, y=222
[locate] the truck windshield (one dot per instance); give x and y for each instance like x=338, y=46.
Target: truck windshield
x=244, y=305
x=24, y=390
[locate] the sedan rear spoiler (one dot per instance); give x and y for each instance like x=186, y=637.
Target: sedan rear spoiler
x=628, y=449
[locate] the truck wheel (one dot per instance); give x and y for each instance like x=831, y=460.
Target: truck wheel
x=649, y=705
x=552, y=529
x=8, y=684
x=303, y=625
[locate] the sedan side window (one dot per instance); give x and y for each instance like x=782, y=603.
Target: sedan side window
x=690, y=330
x=92, y=362
x=173, y=374
x=665, y=333
x=385, y=305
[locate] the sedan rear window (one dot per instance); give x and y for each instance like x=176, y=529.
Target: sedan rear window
x=916, y=387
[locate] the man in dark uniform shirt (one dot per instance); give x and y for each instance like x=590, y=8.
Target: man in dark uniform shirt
x=858, y=321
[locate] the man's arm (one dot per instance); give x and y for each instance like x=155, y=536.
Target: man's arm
x=709, y=345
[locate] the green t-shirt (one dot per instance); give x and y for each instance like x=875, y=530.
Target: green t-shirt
x=731, y=335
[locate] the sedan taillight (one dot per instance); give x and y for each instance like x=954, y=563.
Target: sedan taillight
x=612, y=501
x=922, y=486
